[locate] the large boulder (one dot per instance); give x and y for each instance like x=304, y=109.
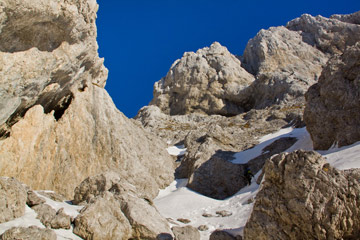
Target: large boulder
x=12, y=199
x=29, y=233
x=303, y=197
x=209, y=81
x=332, y=112
x=146, y=221
x=103, y=219
x=111, y=202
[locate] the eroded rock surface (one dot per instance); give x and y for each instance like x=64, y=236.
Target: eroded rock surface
x=185, y=233
x=112, y=203
x=209, y=81
x=102, y=218
x=12, y=199
x=332, y=108
x=29, y=233
x=302, y=197
x=58, y=125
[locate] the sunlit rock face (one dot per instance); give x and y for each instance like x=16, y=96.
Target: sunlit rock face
x=58, y=124
x=209, y=81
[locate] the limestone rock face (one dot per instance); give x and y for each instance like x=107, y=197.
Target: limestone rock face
x=12, y=199
x=48, y=49
x=209, y=81
x=29, y=233
x=302, y=197
x=91, y=137
x=332, y=105
x=57, y=124
x=285, y=67
x=329, y=35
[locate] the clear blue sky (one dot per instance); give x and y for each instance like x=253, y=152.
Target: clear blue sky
x=140, y=39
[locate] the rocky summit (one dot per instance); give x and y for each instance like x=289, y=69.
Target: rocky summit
x=238, y=120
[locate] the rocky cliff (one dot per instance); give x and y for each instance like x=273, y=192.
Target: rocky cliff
x=332, y=106
x=58, y=124
x=212, y=102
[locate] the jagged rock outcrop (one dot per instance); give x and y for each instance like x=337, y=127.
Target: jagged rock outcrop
x=29, y=233
x=209, y=81
x=205, y=136
x=330, y=35
x=285, y=62
x=284, y=65
x=12, y=199
x=303, y=197
x=332, y=105
x=59, y=125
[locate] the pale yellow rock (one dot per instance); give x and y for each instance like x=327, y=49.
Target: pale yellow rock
x=58, y=125
x=91, y=137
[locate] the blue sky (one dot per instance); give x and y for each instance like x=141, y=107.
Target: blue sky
x=140, y=39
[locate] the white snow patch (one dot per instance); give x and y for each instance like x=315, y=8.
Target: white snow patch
x=27, y=220
x=179, y=150
x=300, y=133
x=343, y=158
x=178, y=201
x=69, y=209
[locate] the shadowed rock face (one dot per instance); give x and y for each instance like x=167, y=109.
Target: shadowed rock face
x=57, y=123
x=332, y=109
x=302, y=197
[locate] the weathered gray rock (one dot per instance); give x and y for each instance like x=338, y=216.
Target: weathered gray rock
x=332, y=105
x=349, y=18
x=61, y=220
x=146, y=221
x=12, y=199
x=96, y=185
x=209, y=81
x=185, y=233
x=223, y=235
x=302, y=197
x=33, y=199
x=45, y=214
x=330, y=35
x=52, y=218
x=29, y=233
x=285, y=67
x=102, y=219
